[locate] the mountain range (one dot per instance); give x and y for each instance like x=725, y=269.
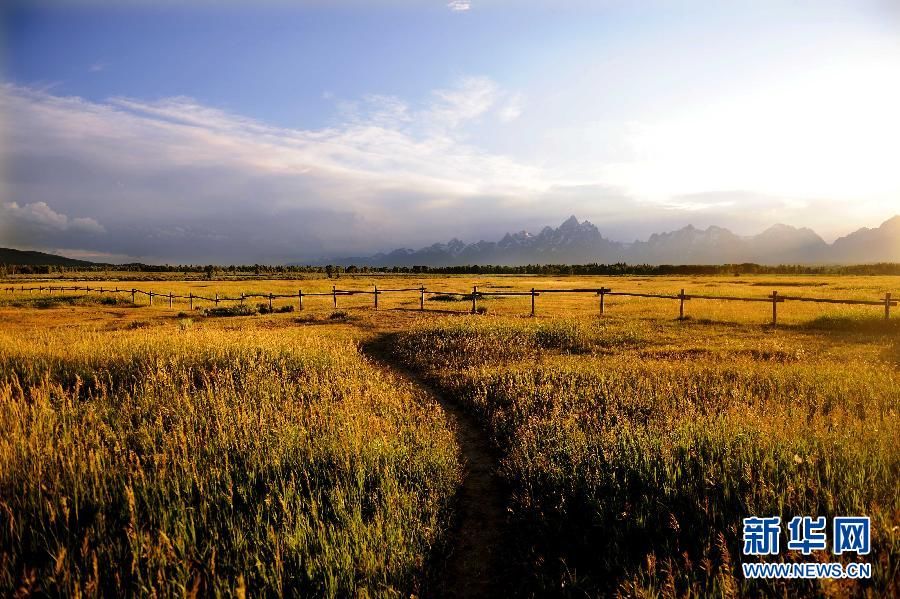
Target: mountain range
x=580, y=242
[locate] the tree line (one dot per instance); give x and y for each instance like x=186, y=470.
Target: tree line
x=212, y=271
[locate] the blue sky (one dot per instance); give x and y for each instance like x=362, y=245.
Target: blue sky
x=269, y=132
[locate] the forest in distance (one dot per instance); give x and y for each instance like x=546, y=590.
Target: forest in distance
x=211, y=271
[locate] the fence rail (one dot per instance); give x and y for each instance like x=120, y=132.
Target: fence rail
x=775, y=298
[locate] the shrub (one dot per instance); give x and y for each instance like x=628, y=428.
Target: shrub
x=226, y=311
x=265, y=309
x=446, y=297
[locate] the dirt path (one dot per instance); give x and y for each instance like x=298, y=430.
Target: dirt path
x=473, y=564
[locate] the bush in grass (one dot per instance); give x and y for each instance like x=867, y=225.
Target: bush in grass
x=265, y=309
x=225, y=311
x=450, y=297
x=446, y=297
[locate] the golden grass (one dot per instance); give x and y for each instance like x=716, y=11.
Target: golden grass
x=633, y=443
x=549, y=305
x=635, y=447
x=182, y=460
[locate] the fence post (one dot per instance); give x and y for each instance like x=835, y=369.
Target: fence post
x=602, y=298
x=422, y=298
x=887, y=306
x=376, y=297
x=191, y=296
x=681, y=307
x=151, y=298
x=300, y=298
x=170, y=300
x=774, y=308
x=132, y=295
x=474, y=295
x=242, y=298
x=217, y=299
x=532, y=301
x=270, y=301
x=334, y=295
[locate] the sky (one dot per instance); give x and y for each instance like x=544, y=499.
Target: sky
x=274, y=132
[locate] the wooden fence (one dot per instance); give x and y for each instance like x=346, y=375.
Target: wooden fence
x=601, y=292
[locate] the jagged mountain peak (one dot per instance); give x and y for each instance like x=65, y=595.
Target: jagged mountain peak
x=570, y=223
x=782, y=232
x=780, y=228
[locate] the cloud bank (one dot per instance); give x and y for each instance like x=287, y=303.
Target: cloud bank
x=174, y=180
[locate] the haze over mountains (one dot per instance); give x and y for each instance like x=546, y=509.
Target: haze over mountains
x=575, y=242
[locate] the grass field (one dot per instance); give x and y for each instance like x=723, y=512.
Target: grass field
x=185, y=459
x=634, y=449
x=163, y=450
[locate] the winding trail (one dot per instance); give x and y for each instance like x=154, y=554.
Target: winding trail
x=472, y=566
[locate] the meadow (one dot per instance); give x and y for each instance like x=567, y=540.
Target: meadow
x=178, y=459
x=634, y=449
x=169, y=451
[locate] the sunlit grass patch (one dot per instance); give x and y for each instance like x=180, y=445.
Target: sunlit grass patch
x=159, y=460
x=631, y=469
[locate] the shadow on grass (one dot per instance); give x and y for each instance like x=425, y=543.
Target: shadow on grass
x=875, y=326
x=432, y=311
x=46, y=302
x=333, y=317
x=843, y=324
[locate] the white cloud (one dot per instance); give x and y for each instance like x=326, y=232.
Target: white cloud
x=470, y=99
x=512, y=110
x=459, y=5
x=41, y=216
x=176, y=178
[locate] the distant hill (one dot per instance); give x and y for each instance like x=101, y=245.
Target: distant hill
x=859, y=245
x=575, y=242
x=27, y=258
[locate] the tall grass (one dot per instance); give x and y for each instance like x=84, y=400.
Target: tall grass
x=631, y=471
x=225, y=462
